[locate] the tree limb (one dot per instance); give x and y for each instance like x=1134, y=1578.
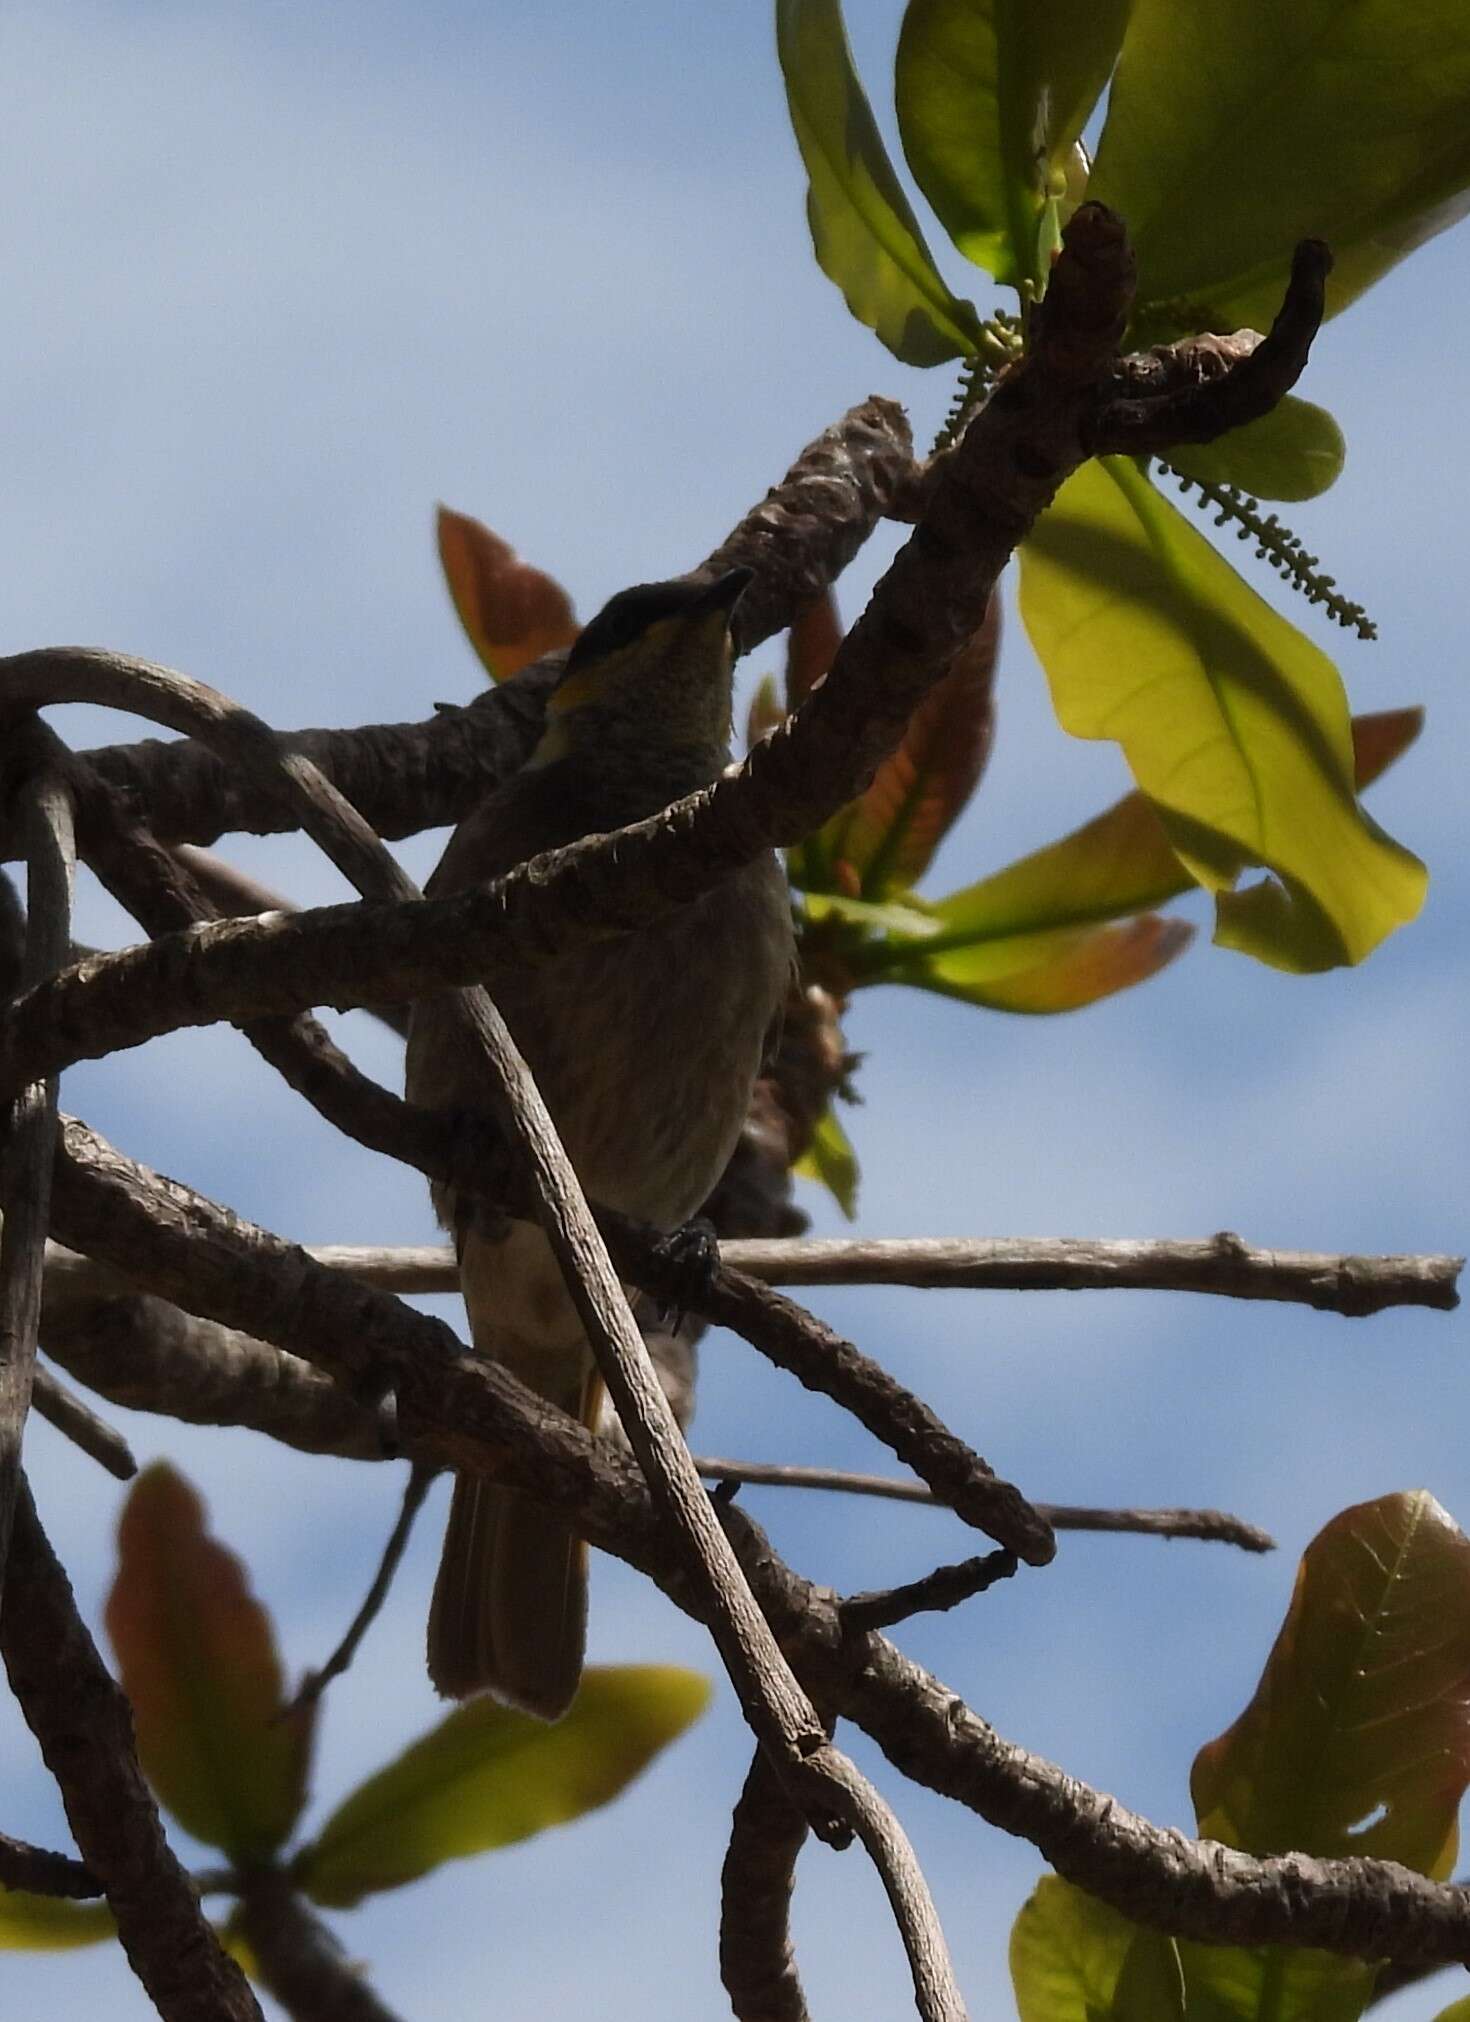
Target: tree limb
x=300, y=1961
x=462, y=1411
x=43, y=1873
x=1222, y=1265
x=1212, y=1525
x=757, y=1962
x=29, y=1133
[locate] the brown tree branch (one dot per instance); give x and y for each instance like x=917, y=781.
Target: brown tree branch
x=29, y=1133
x=1210, y=1525
x=300, y=1961
x=757, y=1962
x=77, y=1422
x=772, y=1700
x=315, y=1683
x=43, y=1873
x=944, y=1588
x=85, y=1730
x=146, y=1353
x=462, y=1411
x=1222, y=1265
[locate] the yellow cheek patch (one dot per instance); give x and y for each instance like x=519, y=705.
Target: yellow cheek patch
x=586, y=684
x=555, y=743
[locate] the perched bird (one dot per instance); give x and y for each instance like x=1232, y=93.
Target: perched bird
x=645, y=1049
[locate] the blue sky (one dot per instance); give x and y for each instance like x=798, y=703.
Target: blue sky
x=278, y=279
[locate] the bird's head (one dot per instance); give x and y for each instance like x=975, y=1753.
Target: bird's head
x=651, y=672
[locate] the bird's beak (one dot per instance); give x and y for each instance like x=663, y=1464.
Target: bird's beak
x=723, y=594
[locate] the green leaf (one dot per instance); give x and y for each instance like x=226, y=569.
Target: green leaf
x=1062, y=969
x=894, y=917
x=831, y=1160
x=1233, y=723
x=1458, y=2011
x=199, y=1664
x=1118, y=863
x=1067, y=1953
x=487, y=1776
x=1233, y=132
x=1275, y=1983
x=866, y=237
x=1294, y=452
x=1151, y=1985
x=50, y=1923
x=1357, y=1740
x=991, y=97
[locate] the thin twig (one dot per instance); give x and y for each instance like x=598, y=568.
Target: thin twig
x=1223, y=1265
x=946, y=1587
x=232, y=892
x=81, y=1425
x=43, y=1873
x=85, y=1730
x=936, y=1991
x=300, y=1961
x=1211, y=1525
x=30, y=1139
x=316, y=1682
x=757, y=1962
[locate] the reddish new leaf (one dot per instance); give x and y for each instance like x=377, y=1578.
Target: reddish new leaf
x=199, y=1664
x=512, y=612
x=1358, y=1738
x=1381, y=737
x=811, y=647
x=890, y=833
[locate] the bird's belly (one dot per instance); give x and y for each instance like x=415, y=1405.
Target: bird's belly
x=648, y=1077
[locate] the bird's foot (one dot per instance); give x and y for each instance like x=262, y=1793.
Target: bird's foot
x=691, y=1255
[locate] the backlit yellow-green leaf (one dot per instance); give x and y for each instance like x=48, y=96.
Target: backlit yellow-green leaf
x=1151, y=1985
x=831, y=1161
x=1294, y=452
x=866, y=236
x=1458, y=2011
x=1233, y=132
x=50, y=1923
x=1067, y=1952
x=1273, y=1983
x=991, y=97
x=1056, y=969
x=1233, y=723
x=487, y=1776
x=1118, y=863
x=199, y=1664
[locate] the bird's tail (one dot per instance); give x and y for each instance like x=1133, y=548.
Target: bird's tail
x=509, y=1614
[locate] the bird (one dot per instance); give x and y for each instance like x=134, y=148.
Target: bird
x=645, y=1048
